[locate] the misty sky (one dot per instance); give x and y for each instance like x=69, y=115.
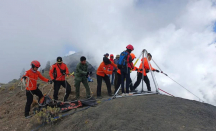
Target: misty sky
x=180, y=34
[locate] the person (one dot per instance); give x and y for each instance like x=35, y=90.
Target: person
x=118, y=77
x=106, y=55
x=31, y=76
x=102, y=73
x=81, y=75
x=58, y=72
x=115, y=70
x=125, y=70
x=141, y=72
x=111, y=68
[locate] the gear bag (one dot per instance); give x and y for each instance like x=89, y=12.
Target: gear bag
x=122, y=62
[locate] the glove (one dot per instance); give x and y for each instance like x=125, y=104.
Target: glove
x=147, y=71
x=63, y=73
x=157, y=70
x=50, y=81
x=53, y=80
x=136, y=69
x=24, y=77
x=141, y=69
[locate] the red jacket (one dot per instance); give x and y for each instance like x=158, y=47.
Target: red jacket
x=54, y=69
x=103, y=69
x=146, y=66
x=129, y=61
x=33, y=77
x=111, y=66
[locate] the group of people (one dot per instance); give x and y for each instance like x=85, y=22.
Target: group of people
x=57, y=73
x=119, y=68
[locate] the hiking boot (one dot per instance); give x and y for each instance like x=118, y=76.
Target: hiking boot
x=123, y=94
x=99, y=97
x=27, y=117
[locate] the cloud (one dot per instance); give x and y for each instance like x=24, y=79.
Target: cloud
x=179, y=35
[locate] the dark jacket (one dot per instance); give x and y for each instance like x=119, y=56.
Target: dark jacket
x=81, y=71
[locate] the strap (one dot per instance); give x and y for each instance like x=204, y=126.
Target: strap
x=60, y=69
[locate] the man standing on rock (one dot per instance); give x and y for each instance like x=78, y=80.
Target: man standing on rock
x=81, y=75
x=58, y=72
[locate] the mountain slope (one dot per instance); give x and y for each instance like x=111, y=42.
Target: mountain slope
x=151, y=113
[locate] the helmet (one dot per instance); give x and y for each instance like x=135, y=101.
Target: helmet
x=59, y=59
x=111, y=55
x=106, y=61
x=35, y=63
x=132, y=56
x=130, y=47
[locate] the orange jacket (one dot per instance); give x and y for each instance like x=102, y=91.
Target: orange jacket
x=146, y=66
x=104, y=69
x=33, y=77
x=55, y=71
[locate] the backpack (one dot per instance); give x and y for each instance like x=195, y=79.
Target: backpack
x=122, y=62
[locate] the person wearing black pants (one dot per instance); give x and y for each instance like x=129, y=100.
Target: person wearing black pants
x=118, y=83
x=99, y=83
x=102, y=73
x=146, y=80
x=125, y=74
x=57, y=85
x=143, y=72
x=29, y=95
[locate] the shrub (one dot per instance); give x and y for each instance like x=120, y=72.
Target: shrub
x=47, y=115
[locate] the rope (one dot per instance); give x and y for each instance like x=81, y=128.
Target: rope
x=166, y=92
x=178, y=83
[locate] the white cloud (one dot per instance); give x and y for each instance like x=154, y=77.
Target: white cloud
x=177, y=33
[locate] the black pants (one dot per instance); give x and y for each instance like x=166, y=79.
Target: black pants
x=29, y=96
x=139, y=78
x=57, y=85
x=125, y=74
x=118, y=83
x=99, y=83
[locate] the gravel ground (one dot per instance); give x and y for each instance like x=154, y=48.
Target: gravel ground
x=149, y=113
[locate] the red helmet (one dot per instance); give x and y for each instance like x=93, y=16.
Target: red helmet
x=111, y=55
x=130, y=47
x=35, y=63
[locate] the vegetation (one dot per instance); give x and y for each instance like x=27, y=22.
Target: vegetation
x=47, y=115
